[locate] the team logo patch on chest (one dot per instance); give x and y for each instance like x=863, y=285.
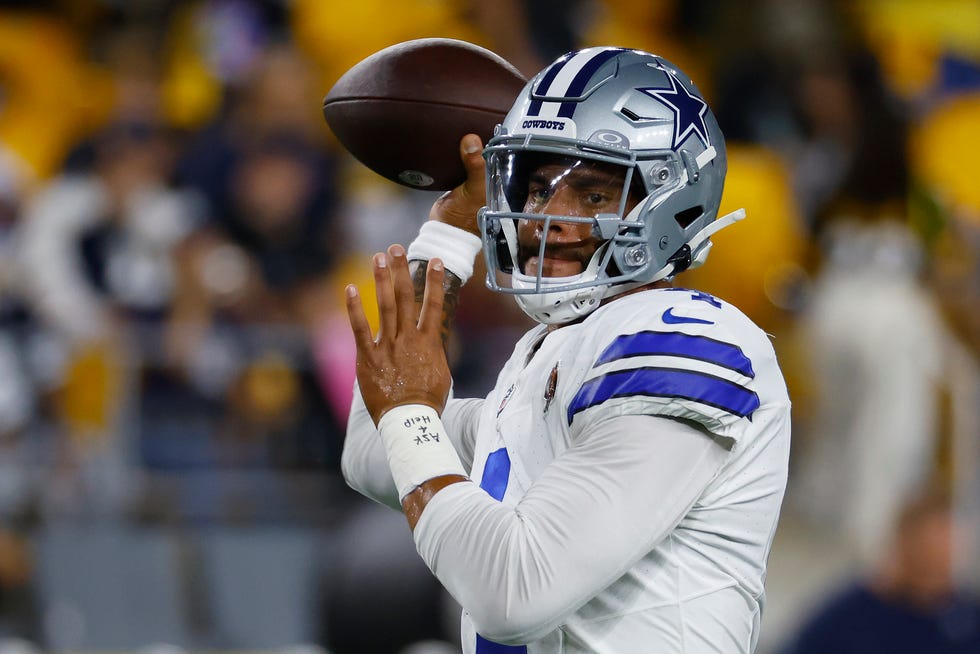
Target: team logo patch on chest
x=551, y=386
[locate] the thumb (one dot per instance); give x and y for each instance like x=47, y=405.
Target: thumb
x=471, y=153
x=460, y=206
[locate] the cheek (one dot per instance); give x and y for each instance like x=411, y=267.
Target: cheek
x=582, y=231
x=526, y=229
x=568, y=232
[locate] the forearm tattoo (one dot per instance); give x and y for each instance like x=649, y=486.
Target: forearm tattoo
x=451, y=285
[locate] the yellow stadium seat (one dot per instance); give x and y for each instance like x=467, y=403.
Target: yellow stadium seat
x=51, y=97
x=337, y=35
x=756, y=261
x=909, y=37
x=944, y=147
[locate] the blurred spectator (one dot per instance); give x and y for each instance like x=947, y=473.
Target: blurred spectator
x=17, y=602
x=16, y=393
x=251, y=294
x=756, y=47
x=96, y=238
x=854, y=139
x=98, y=243
x=96, y=251
x=513, y=30
x=18, y=407
x=255, y=282
x=910, y=603
x=277, y=99
x=876, y=341
x=378, y=579
x=212, y=48
x=948, y=213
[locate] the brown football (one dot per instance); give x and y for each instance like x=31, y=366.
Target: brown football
x=402, y=111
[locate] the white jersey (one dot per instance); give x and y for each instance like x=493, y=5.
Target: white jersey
x=564, y=552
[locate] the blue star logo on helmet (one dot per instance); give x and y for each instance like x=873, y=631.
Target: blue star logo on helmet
x=688, y=109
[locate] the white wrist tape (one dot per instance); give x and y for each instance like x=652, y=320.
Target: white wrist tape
x=417, y=446
x=456, y=247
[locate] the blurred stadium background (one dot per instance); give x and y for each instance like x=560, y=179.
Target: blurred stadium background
x=177, y=225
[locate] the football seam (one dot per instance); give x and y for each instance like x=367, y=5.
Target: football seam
x=328, y=103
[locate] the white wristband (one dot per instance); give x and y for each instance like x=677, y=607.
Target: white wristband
x=417, y=446
x=456, y=247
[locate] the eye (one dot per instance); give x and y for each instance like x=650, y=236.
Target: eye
x=538, y=194
x=596, y=198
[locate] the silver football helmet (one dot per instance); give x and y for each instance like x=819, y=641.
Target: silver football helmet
x=616, y=110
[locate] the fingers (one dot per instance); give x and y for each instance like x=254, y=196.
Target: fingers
x=387, y=317
x=430, y=320
x=395, y=294
x=401, y=280
x=358, y=321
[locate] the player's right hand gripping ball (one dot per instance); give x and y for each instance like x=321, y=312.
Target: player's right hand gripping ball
x=402, y=111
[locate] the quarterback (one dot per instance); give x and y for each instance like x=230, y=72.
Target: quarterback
x=618, y=490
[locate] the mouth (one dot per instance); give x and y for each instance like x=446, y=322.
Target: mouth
x=562, y=260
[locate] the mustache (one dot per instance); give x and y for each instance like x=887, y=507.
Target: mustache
x=577, y=251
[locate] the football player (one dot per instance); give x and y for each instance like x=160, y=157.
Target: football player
x=619, y=488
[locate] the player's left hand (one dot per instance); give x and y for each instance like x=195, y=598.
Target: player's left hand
x=406, y=362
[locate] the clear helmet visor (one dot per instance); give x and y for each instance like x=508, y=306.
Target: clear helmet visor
x=561, y=219
x=550, y=218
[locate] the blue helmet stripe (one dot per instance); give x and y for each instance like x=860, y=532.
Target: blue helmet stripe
x=535, y=107
x=582, y=78
x=678, y=344
x=550, y=76
x=668, y=383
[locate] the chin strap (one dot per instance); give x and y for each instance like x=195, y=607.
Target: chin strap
x=714, y=227
x=683, y=259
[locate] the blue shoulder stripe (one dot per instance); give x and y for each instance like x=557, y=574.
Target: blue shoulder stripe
x=678, y=344
x=666, y=382
x=484, y=646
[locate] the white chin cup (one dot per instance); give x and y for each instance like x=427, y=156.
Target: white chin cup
x=556, y=307
x=560, y=306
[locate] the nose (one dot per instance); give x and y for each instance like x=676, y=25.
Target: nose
x=559, y=231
